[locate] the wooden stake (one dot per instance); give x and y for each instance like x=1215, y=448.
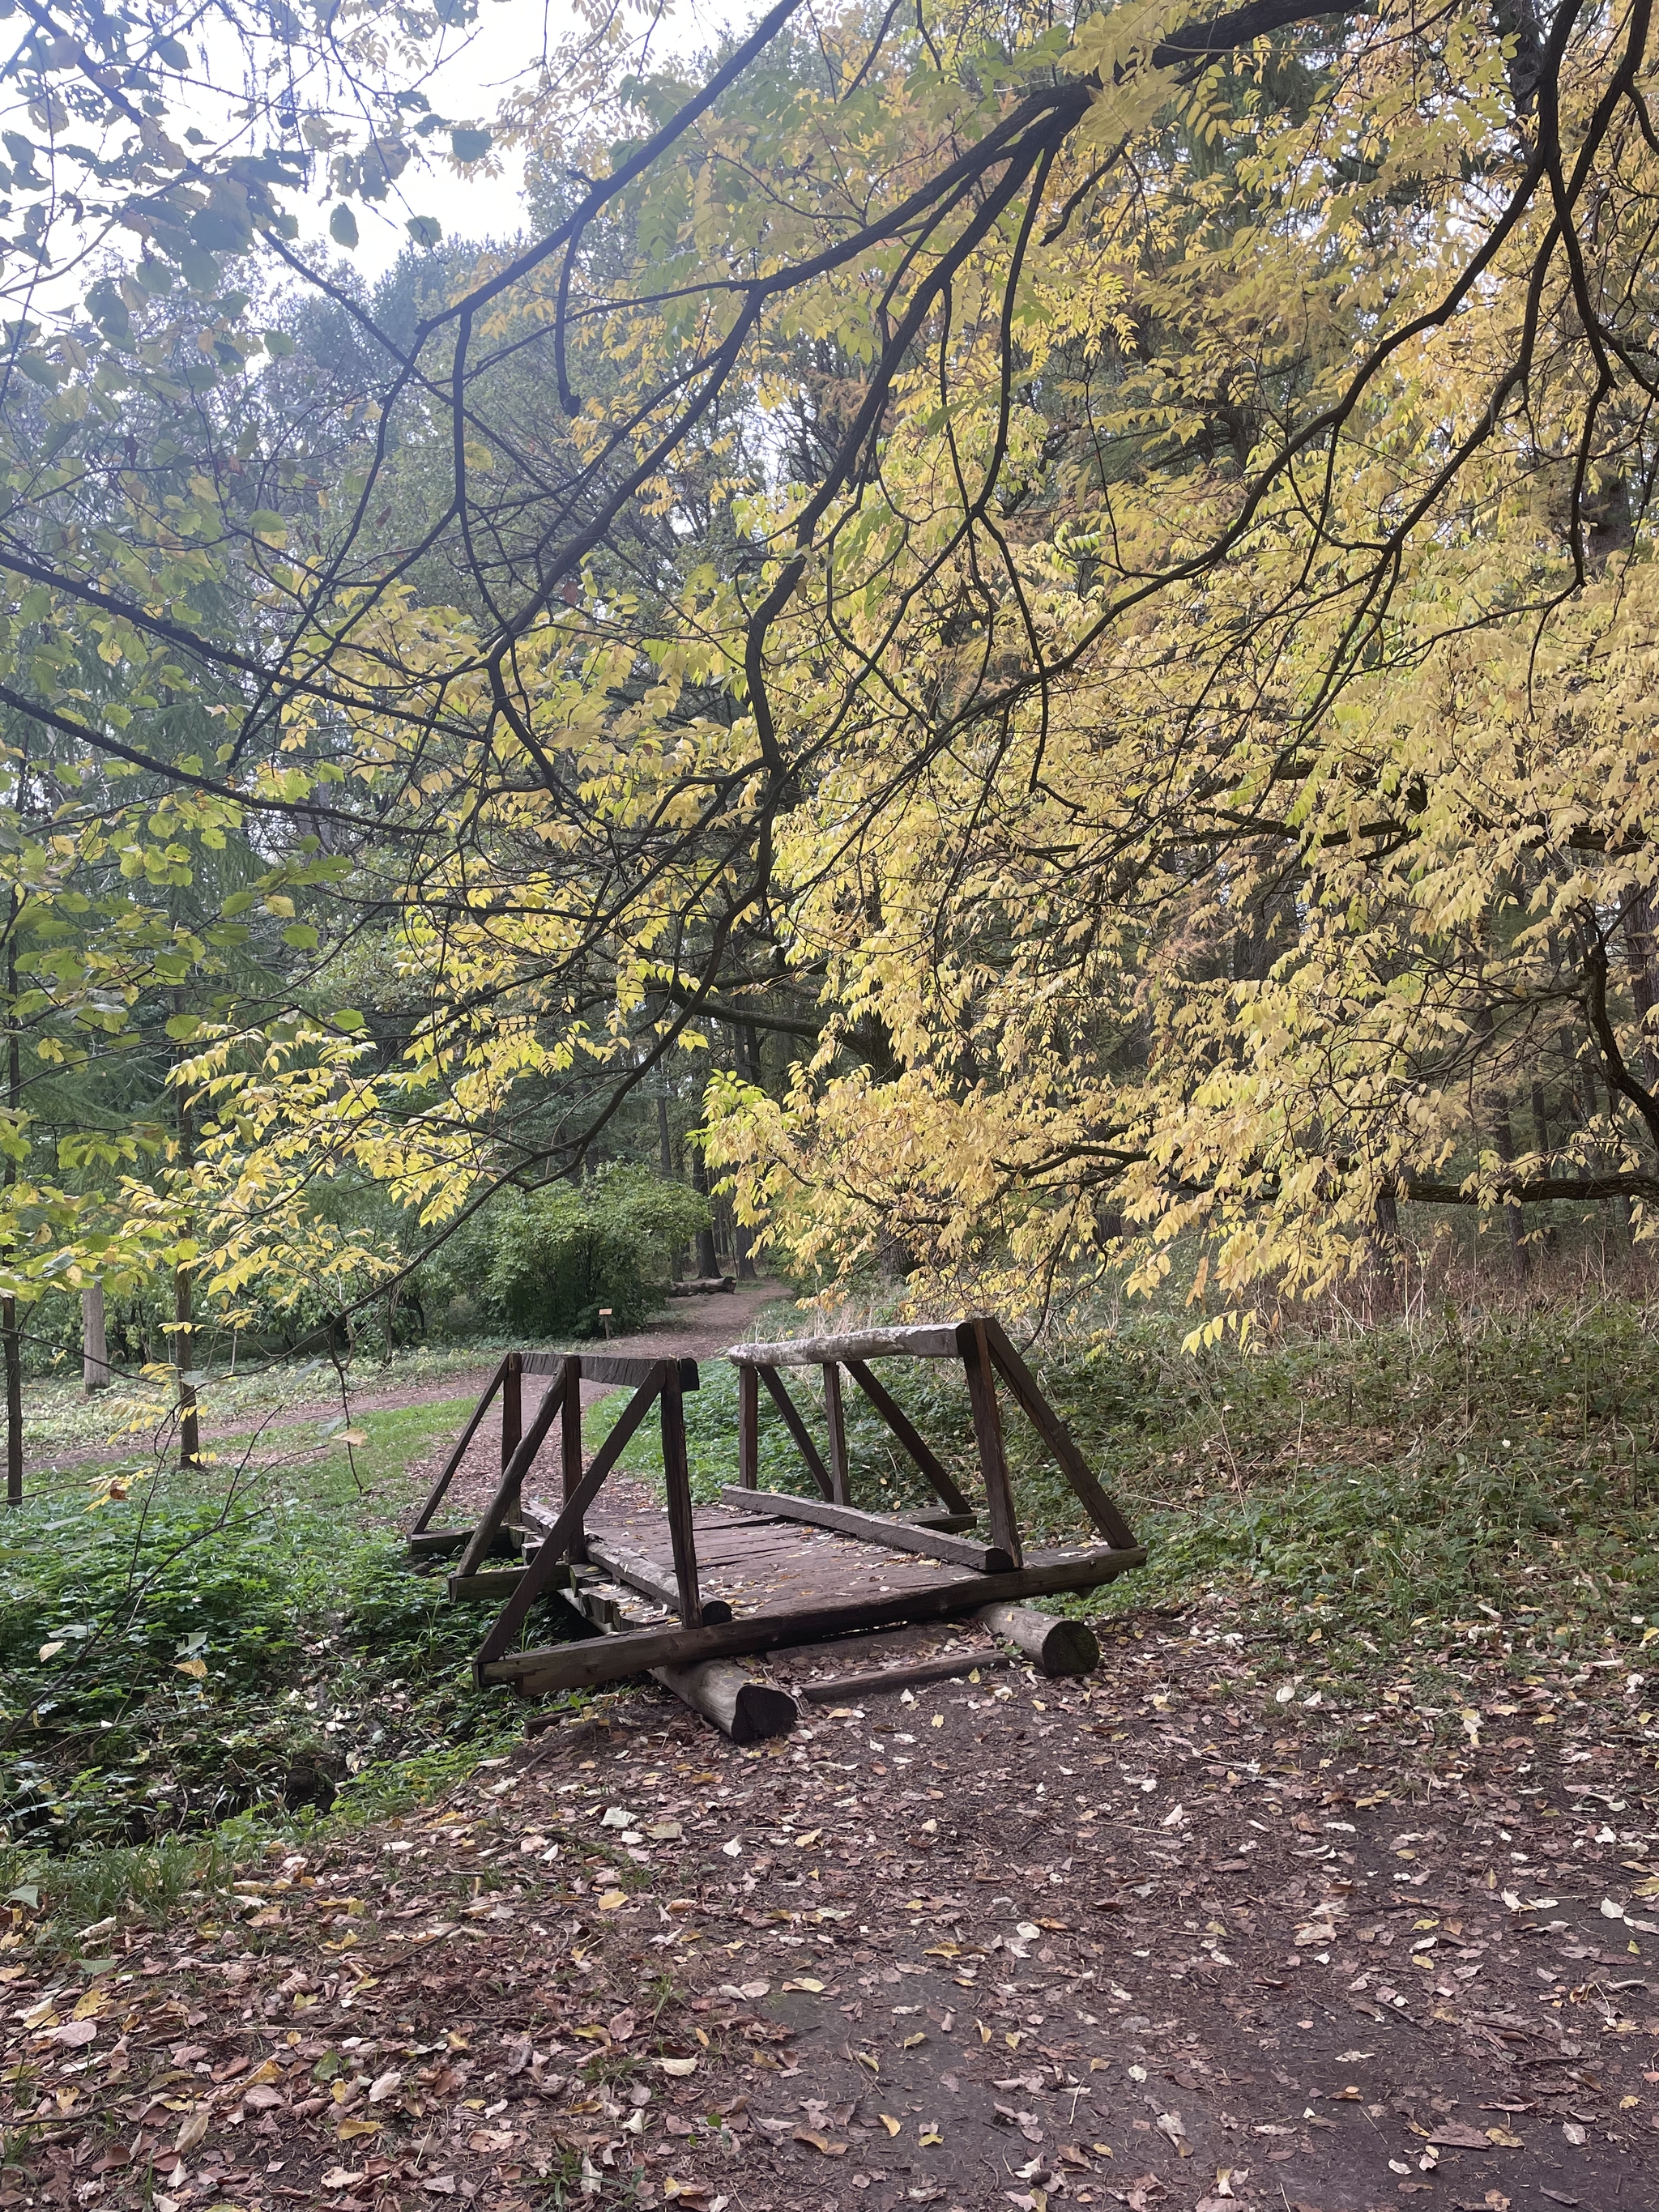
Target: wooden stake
x=677, y=1481
x=835, y=1421
x=748, y=1427
x=987, y=1435
x=512, y=1378
x=570, y=1450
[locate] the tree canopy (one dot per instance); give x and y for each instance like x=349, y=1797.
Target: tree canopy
x=1047, y=615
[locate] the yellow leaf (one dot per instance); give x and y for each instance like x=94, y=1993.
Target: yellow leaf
x=930, y=2134
x=613, y=1899
x=911, y=2041
x=349, y=2128
x=807, y=1982
x=864, y=2059
x=50, y=1650
x=888, y=2123
x=196, y=1668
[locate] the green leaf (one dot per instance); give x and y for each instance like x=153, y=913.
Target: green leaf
x=301, y=936
x=220, y=231
x=470, y=144
x=173, y=52
x=343, y=227
x=181, y=1028
x=201, y=269
x=349, y=1017
x=270, y=528
x=279, y=344
x=426, y=230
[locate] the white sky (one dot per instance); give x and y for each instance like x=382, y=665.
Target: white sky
x=507, y=42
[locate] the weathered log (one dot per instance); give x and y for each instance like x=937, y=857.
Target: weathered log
x=613, y=1658
x=887, y=1681
x=926, y=1343
x=747, y=1710
x=871, y=1527
x=1059, y=1646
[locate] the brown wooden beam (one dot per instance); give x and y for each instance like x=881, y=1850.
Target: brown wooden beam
x=748, y=1427
x=835, y=1421
x=975, y=1347
x=798, y=1428
x=908, y=1435
x=1099, y=1506
x=613, y=1658
x=434, y=1495
x=871, y=1529
x=512, y=1481
x=677, y=1489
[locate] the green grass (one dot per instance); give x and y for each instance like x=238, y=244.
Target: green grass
x=229, y=1642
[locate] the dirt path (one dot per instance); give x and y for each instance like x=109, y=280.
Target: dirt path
x=1195, y=1933
x=694, y=1329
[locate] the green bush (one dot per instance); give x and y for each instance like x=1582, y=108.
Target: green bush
x=543, y=1265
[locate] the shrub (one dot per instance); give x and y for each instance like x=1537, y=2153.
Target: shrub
x=543, y=1265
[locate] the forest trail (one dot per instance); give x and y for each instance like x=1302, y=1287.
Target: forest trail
x=1160, y=1938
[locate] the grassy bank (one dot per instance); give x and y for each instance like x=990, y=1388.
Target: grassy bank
x=233, y=1641
x=1503, y=1458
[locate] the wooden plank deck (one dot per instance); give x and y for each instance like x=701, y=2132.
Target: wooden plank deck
x=755, y=1565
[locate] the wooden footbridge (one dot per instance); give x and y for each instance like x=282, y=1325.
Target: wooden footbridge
x=683, y=1591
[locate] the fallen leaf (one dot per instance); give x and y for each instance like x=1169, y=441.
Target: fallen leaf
x=622, y=2025
x=1572, y=2131
x=930, y=2134
x=197, y=1669
x=820, y=2142
x=678, y=2067
x=342, y=2176
x=384, y=2086
x=1457, y=2134
x=349, y=2130
x=888, y=2123
x=193, y=2127
x=808, y=1983
x=613, y=1899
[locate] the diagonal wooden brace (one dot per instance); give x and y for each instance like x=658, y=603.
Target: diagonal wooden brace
x=799, y=1429
x=434, y=1495
x=512, y=1481
x=566, y=1531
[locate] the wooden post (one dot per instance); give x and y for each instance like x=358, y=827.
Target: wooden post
x=570, y=1450
x=835, y=1420
x=987, y=1435
x=748, y=1428
x=1101, y=1509
x=677, y=1481
x=511, y=1405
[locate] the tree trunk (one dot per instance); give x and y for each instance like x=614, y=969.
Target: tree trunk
x=184, y=1337
x=94, y=1349
x=742, y=1247
x=707, y=1260
x=8, y=1339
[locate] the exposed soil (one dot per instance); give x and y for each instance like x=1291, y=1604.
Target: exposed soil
x=1180, y=1934
x=694, y=1329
